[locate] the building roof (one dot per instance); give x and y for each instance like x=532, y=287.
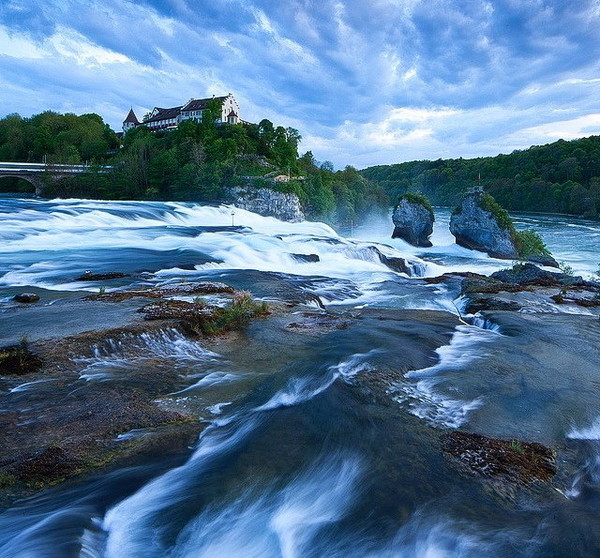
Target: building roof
x=164, y=114
x=131, y=118
x=199, y=104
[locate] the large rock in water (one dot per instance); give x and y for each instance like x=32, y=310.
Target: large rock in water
x=413, y=222
x=267, y=202
x=478, y=229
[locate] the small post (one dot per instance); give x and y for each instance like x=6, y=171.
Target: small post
x=232, y=218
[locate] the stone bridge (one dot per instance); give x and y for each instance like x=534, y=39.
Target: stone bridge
x=39, y=174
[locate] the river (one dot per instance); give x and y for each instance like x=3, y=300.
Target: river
x=299, y=458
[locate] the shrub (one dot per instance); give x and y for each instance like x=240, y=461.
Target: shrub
x=489, y=204
x=529, y=244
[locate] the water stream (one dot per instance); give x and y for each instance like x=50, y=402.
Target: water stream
x=299, y=458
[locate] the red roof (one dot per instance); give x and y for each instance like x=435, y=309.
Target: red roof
x=131, y=118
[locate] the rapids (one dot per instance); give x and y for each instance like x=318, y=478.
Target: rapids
x=304, y=454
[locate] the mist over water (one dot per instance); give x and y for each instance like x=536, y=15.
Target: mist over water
x=299, y=458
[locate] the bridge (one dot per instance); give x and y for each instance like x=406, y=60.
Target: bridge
x=38, y=174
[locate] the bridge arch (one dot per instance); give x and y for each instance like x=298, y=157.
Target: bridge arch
x=35, y=183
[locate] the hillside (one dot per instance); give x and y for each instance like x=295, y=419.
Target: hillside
x=561, y=177
x=194, y=162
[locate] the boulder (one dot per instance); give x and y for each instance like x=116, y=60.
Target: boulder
x=267, y=202
x=413, y=221
x=478, y=228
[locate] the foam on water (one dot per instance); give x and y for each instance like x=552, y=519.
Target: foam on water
x=423, y=396
x=591, y=432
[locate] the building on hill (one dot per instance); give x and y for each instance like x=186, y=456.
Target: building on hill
x=169, y=118
x=130, y=121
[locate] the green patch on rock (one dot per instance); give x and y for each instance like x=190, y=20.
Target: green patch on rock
x=417, y=198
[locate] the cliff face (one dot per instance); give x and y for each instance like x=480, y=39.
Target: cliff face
x=413, y=223
x=478, y=229
x=267, y=202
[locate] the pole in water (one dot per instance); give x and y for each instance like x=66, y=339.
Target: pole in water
x=232, y=218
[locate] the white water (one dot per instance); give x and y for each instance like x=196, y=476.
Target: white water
x=202, y=508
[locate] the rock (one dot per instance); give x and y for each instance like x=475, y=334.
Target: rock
x=306, y=258
x=547, y=261
x=592, y=300
x=26, y=298
x=482, y=303
x=203, y=287
x=395, y=264
x=529, y=274
x=267, y=202
x=51, y=465
x=476, y=228
x=413, y=221
x=89, y=276
x=176, y=310
x=512, y=460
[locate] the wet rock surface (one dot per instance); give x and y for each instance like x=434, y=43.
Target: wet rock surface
x=91, y=276
x=529, y=274
x=26, y=298
x=515, y=461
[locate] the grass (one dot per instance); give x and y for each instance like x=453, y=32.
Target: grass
x=234, y=316
x=516, y=446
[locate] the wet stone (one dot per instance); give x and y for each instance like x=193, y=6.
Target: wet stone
x=515, y=461
x=90, y=276
x=26, y=298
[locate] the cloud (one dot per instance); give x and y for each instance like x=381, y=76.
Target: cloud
x=364, y=82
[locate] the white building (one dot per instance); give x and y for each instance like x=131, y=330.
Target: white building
x=170, y=118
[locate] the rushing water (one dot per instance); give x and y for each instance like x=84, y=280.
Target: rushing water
x=298, y=460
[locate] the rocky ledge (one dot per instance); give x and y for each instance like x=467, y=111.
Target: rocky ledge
x=413, y=220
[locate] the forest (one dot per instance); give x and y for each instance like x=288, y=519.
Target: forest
x=194, y=162
x=561, y=177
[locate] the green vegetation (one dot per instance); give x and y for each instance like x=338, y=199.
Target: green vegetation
x=530, y=244
x=416, y=197
x=194, y=162
x=566, y=269
x=562, y=177
x=517, y=446
x=234, y=316
x=489, y=204
x=17, y=360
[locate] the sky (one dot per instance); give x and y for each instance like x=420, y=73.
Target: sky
x=365, y=82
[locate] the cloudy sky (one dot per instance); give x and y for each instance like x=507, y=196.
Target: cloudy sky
x=364, y=81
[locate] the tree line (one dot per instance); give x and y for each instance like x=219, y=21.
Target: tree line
x=561, y=177
x=195, y=162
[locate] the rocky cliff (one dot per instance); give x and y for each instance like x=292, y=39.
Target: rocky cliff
x=413, y=219
x=267, y=202
x=477, y=226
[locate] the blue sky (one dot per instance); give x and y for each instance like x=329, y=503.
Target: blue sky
x=364, y=81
